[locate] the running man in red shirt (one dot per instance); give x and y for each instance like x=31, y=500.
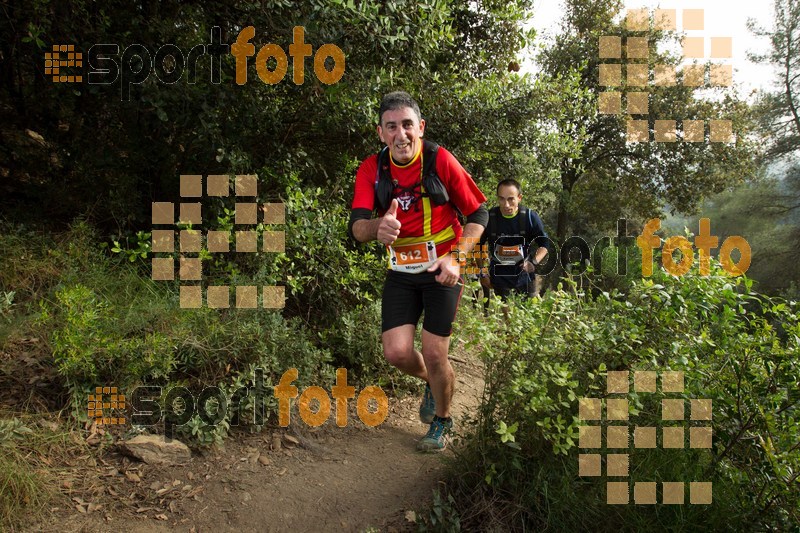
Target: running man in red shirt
x=417, y=222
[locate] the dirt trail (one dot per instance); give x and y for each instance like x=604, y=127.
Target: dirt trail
x=349, y=479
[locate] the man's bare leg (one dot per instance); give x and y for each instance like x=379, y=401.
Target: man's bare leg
x=398, y=349
x=440, y=373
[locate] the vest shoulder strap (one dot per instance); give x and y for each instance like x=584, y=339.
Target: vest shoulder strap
x=384, y=185
x=493, y=224
x=429, y=151
x=383, y=181
x=525, y=220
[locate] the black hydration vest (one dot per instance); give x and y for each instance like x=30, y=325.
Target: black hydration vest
x=431, y=186
x=524, y=220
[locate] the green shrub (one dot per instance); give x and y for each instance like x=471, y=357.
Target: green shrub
x=326, y=272
x=106, y=323
x=519, y=466
x=94, y=344
x=91, y=345
x=355, y=342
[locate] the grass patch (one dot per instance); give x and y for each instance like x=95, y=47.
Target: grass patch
x=24, y=488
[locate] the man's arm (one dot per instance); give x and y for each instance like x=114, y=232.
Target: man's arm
x=539, y=253
x=470, y=237
x=385, y=229
x=366, y=230
x=473, y=231
x=449, y=266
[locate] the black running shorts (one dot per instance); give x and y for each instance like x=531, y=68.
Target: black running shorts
x=405, y=296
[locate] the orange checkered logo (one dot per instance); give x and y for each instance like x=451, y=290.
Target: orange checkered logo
x=625, y=71
x=63, y=57
x=618, y=437
x=190, y=243
x=101, y=405
x=473, y=262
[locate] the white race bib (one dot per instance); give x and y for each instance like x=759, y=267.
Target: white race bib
x=412, y=258
x=509, y=255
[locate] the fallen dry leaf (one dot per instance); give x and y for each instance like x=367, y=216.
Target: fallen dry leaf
x=36, y=137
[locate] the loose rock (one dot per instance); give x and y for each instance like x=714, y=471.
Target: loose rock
x=156, y=450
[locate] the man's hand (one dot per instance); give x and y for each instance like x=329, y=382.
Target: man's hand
x=528, y=267
x=450, y=270
x=389, y=227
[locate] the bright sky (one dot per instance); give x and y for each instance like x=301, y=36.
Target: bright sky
x=723, y=18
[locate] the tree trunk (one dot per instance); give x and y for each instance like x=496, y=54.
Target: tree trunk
x=568, y=180
x=787, y=78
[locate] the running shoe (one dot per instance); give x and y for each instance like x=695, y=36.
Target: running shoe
x=438, y=435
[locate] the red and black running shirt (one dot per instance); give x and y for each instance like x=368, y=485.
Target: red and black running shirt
x=421, y=220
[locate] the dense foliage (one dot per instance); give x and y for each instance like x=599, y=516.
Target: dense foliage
x=519, y=466
x=434, y=49
x=80, y=165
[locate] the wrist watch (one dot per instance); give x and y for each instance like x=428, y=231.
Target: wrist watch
x=461, y=256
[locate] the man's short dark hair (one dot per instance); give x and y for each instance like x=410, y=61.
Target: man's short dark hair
x=507, y=182
x=397, y=100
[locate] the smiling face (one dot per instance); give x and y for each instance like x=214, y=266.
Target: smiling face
x=401, y=129
x=508, y=197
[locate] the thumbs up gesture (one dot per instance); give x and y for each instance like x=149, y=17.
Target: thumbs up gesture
x=389, y=227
